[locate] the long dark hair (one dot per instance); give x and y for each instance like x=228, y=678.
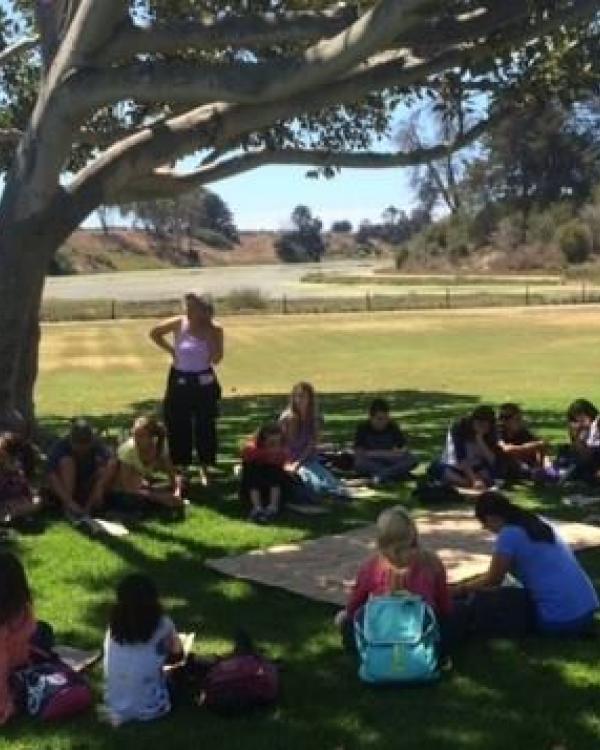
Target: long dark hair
x=15, y=595
x=496, y=504
x=138, y=611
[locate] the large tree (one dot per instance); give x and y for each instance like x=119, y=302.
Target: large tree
x=101, y=98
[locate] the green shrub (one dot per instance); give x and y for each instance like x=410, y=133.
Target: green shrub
x=542, y=225
x=402, y=255
x=575, y=241
x=507, y=235
x=61, y=263
x=245, y=299
x=213, y=239
x=590, y=216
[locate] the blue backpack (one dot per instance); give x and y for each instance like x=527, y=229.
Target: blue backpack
x=398, y=640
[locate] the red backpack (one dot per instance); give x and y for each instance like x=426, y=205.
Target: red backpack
x=240, y=683
x=51, y=691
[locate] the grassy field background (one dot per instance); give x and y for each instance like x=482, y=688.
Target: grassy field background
x=433, y=367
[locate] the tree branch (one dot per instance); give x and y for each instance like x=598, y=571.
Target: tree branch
x=219, y=124
x=191, y=83
x=18, y=48
x=165, y=183
x=231, y=31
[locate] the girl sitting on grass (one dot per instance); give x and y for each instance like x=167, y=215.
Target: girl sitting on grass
x=139, y=642
x=470, y=459
x=17, y=499
x=300, y=423
x=17, y=627
x=563, y=597
x=401, y=564
x=130, y=474
x=264, y=478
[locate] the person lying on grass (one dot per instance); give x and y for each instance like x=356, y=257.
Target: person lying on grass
x=470, y=458
x=77, y=468
x=400, y=564
x=523, y=453
x=380, y=450
x=563, y=597
x=264, y=478
x=139, y=642
x=131, y=472
x=17, y=498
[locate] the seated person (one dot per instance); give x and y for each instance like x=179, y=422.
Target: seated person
x=17, y=499
x=380, y=447
x=580, y=460
x=470, y=459
x=400, y=564
x=264, y=479
x=77, y=471
x=555, y=586
x=17, y=628
x=141, y=639
x=522, y=452
x=131, y=473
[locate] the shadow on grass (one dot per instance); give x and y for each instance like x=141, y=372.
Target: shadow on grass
x=532, y=694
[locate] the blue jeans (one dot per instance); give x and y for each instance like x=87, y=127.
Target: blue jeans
x=319, y=479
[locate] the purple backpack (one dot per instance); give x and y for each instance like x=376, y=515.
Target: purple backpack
x=51, y=691
x=239, y=684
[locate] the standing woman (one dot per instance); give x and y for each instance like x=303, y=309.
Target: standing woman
x=191, y=403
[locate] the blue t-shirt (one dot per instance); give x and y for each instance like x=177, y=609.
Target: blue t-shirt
x=559, y=587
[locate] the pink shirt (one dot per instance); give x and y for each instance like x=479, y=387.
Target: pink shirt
x=14, y=652
x=378, y=578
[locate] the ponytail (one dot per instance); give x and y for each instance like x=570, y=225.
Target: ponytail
x=496, y=504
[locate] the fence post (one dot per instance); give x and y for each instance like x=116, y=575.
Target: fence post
x=583, y=293
x=368, y=302
x=527, y=298
x=113, y=310
x=448, y=298
x=284, y=307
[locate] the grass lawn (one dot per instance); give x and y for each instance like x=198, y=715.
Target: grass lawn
x=535, y=694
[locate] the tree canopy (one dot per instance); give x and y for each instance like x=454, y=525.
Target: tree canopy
x=117, y=91
x=101, y=100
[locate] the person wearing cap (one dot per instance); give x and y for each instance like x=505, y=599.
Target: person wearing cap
x=76, y=470
x=191, y=402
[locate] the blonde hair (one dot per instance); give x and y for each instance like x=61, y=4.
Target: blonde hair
x=397, y=535
x=153, y=427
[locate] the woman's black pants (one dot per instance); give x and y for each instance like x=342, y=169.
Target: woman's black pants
x=191, y=408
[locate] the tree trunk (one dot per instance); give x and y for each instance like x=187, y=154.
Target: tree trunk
x=26, y=248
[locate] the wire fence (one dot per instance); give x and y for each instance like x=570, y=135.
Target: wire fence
x=252, y=301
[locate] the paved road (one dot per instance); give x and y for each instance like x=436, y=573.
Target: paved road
x=272, y=280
